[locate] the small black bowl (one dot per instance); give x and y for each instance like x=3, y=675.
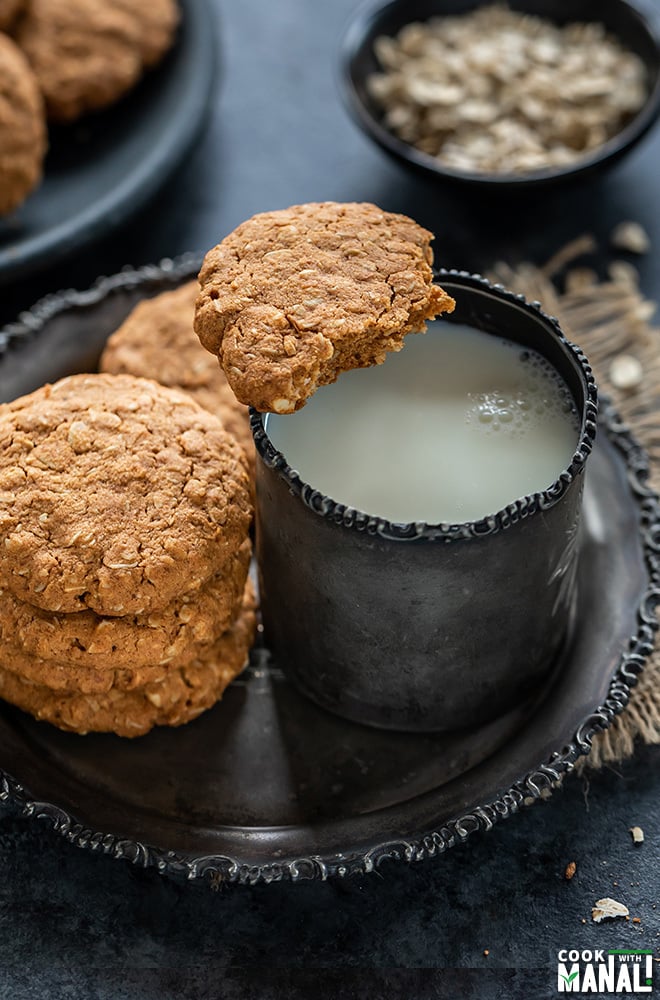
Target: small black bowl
x=637, y=27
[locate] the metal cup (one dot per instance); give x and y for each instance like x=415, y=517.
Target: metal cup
x=418, y=626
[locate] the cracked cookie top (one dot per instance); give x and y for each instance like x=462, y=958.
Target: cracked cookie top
x=292, y=298
x=116, y=494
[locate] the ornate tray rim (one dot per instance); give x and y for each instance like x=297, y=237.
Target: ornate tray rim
x=220, y=869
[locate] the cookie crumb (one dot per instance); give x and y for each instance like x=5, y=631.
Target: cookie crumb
x=637, y=834
x=486, y=952
x=571, y=868
x=637, y=920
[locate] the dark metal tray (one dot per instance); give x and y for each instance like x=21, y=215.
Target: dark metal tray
x=101, y=170
x=266, y=786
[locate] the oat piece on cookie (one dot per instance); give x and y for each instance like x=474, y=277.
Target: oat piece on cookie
x=180, y=696
x=292, y=298
x=116, y=494
x=157, y=340
x=87, y=54
x=22, y=127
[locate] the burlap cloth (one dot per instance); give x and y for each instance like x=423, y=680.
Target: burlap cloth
x=611, y=320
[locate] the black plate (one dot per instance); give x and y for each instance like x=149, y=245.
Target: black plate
x=267, y=786
x=101, y=170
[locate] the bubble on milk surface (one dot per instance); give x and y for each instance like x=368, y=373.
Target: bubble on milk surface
x=539, y=394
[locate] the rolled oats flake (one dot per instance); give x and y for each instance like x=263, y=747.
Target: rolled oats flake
x=496, y=91
x=626, y=372
x=608, y=909
x=630, y=236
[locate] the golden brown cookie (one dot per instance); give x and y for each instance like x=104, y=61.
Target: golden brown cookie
x=157, y=22
x=98, y=674
x=64, y=678
x=86, y=54
x=40, y=639
x=8, y=11
x=182, y=694
x=291, y=299
x=116, y=494
x=157, y=341
x=22, y=127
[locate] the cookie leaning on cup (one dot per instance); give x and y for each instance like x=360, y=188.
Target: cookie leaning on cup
x=291, y=299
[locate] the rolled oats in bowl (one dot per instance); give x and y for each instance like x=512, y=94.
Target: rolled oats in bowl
x=495, y=91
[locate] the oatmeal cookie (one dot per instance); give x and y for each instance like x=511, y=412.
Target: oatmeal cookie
x=41, y=643
x=116, y=494
x=182, y=694
x=291, y=299
x=22, y=127
x=8, y=11
x=64, y=678
x=157, y=341
x=86, y=54
x=157, y=22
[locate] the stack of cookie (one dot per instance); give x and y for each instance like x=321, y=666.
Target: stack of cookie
x=124, y=518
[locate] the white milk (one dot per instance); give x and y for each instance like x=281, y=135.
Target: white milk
x=454, y=427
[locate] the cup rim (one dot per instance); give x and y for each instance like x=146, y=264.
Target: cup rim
x=519, y=509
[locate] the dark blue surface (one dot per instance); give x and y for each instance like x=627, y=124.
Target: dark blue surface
x=279, y=135
x=69, y=913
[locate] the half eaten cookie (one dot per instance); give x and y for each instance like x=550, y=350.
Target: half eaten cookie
x=291, y=299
